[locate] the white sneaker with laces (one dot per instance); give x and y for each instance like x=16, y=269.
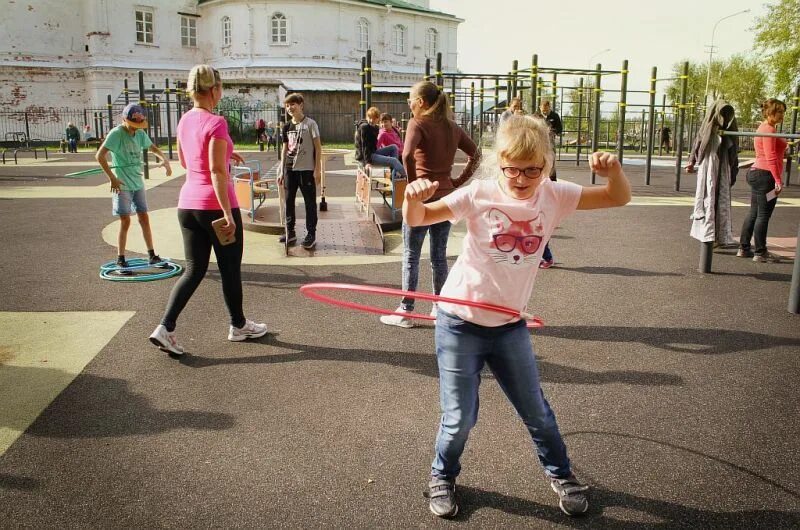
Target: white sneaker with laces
x=250, y=330
x=434, y=310
x=165, y=340
x=398, y=320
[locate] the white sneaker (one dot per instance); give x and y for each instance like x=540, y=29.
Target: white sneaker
x=434, y=310
x=250, y=330
x=165, y=340
x=398, y=320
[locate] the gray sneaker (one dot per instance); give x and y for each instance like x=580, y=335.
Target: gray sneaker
x=441, y=497
x=767, y=257
x=571, y=494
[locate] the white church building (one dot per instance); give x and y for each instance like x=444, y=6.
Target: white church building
x=74, y=53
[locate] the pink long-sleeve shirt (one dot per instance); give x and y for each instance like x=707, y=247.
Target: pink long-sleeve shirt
x=770, y=152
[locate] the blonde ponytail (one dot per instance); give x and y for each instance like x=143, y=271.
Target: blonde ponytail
x=201, y=79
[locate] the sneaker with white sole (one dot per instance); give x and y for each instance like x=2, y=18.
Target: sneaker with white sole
x=398, y=320
x=441, y=497
x=250, y=330
x=571, y=494
x=767, y=257
x=165, y=340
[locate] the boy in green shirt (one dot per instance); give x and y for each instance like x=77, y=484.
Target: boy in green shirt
x=125, y=143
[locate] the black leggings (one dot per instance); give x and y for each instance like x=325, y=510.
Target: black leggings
x=198, y=239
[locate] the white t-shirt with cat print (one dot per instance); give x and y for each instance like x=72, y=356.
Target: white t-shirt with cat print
x=503, y=246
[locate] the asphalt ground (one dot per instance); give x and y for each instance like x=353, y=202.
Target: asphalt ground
x=676, y=392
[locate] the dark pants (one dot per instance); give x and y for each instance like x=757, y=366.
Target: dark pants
x=757, y=222
x=73, y=145
x=198, y=240
x=304, y=180
x=547, y=255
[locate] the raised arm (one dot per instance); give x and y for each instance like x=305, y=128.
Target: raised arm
x=616, y=192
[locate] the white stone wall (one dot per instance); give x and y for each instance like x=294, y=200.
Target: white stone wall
x=74, y=53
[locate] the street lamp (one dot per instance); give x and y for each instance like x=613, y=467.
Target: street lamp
x=711, y=51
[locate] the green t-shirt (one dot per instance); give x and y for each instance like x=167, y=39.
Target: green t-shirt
x=126, y=155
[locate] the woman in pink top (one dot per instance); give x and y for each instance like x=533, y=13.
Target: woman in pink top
x=205, y=150
x=765, y=184
x=388, y=135
x=509, y=220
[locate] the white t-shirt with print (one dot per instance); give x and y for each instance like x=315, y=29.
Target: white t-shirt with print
x=503, y=247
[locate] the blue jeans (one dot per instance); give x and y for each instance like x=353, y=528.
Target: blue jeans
x=413, y=238
x=387, y=156
x=462, y=348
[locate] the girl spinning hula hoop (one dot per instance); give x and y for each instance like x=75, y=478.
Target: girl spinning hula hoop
x=509, y=220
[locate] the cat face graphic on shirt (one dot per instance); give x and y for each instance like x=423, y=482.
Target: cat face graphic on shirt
x=513, y=242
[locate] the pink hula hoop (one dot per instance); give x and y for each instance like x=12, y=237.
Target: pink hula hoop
x=310, y=290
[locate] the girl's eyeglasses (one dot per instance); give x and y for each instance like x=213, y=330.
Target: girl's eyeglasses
x=507, y=243
x=512, y=172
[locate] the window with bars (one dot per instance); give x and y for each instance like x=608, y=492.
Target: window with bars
x=188, y=32
x=144, y=26
x=399, y=38
x=431, y=43
x=226, y=31
x=362, y=33
x=279, y=29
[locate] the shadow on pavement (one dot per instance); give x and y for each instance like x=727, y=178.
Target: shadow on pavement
x=663, y=514
x=688, y=340
x=617, y=271
x=105, y=407
x=423, y=364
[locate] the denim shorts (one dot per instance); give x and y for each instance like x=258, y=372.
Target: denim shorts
x=121, y=202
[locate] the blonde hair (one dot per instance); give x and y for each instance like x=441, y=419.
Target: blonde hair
x=373, y=113
x=202, y=78
x=525, y=137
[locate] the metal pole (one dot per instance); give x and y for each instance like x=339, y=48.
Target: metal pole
x=496, y=96
x=706, y=252
x=472, y=110
x=534, y=88
x=514, y=68
x=651, y=126
x=794, y=290
x=480, y=132
x=143, y=103
x=362, y=103
x=623, y=95
x=792, y=150
x=663, y=117
x=580, y=122
x=369, y=78
x=110, y=113
x=681, y=122
x=691, y=124
x=427, y=76
x=439, y=77
x=169, y=119
x=641, y=132
x=27, y=130
x=596, y=117
x=125, y=90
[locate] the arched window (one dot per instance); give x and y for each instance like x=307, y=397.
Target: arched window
x=362, y=33
x=279, y=29
x=226, y=31
x=399, y=39
x=431, y=43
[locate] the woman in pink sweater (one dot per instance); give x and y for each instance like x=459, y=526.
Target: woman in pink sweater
x=388, y=135
x=765, y=184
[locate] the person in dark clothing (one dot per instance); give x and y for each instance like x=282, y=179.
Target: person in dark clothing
x=556, y=128
x=666, y=142
x=73, y=137
x=367, y=151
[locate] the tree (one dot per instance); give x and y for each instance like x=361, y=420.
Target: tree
x=778, y=35
x=742, y=83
